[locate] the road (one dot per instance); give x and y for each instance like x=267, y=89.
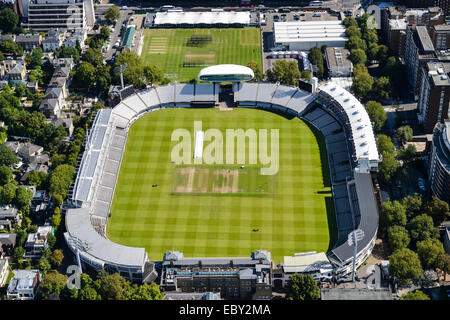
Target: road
x=124, y=15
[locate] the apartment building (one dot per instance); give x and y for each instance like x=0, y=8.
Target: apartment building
x=440, y=162
x=434, y=94
x=419, y=50
x=440, y=35
x=43, y=15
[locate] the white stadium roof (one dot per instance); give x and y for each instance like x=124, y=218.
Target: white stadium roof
x=360, y=124
x=307, y=31
x=164, y=18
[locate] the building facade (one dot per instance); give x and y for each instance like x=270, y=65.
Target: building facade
x=440, y=35
x=24, y=285
x=338, y=62
x=419, y=50
x=434, y=94
x=245, y=278
x=43, y=15
x=440, y=162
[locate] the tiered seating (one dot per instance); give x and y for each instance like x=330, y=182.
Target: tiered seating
x=184, y=93
x=283, y=94
x=265, y=92
x=150, y=97
x=204, y=93
x=300, y=101
x=135, y=103
x=166, y=94
x=124, y=111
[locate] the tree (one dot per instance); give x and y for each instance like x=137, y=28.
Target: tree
x=53, y=283
x=112, y=14
x=113, y=286
x=93, y=56
x=69, y=52
x=382, y=88
x=384, y=143
x=388, y=167
x=18, y=254
x=89, y=293
x=44, y=265
x=362, y=84
x=356, y=43
x=398, y=238
x=143, y=292
x=438, y=210
x=105, y=33
x=443, y=263
x=405, y=265
x=416, y=295
x=404, y=133
x=37, y=179
x=428, y=251
x=56, y=218
x=60, y=180
x=8, y=193
x=422, y=228
x=413, y=205
x=407, y=154
x=256, y=68
x=286, y=72
x=84, y=76
x=371, y=37
x=134, y=73
x=350, y=21
x=302, y=287
x=8, y=20
x=377, y=114
x=10, y=47
x=23, y=198
x=153, y=74
x=5, y=174
x=352, y=31
x=36, y=57
x=316, y=58
x=57, y=257
x=358, y=56
x=393, y=213
x=306, y=75
x=7, y=157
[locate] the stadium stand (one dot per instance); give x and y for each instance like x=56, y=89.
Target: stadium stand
x=342, y=120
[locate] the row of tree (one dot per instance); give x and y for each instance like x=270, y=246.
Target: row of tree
x=410, y=229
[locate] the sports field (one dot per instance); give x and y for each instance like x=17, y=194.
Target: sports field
x=212, y=210
x=182, y=53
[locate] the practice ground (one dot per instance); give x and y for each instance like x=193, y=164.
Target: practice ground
x=216, y=218
x=173, y=49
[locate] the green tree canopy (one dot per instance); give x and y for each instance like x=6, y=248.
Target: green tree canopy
x=352, y=31
x=5, y=174
x=362, y=84
x=438, y=210
x=407, y=154
x=286, y=72
x=8, y=20
x=7, y=157
x=443, y=263
x=422, y=228
x=257, y=70
x=112, y=14
x=398, y=238
x=302, y=287
x=53, y=283
x=377, y=114
x=416, y=295
x=60, y=180
x=382, y=88
x=8, y=194
x=316, y=58
x=356, y=43
x=84, y=76
x=413, y=205
x=358, y=56
x=384, y=143
x=10, y=47
x=69, y=52
x=143, y=292
x=428, y=251
x=113, y=287
x=388, y=167
x=404, y=133
x=23, y=198
x=405, y=265
x=57, y=257
x=350, y=21
x=393, y=213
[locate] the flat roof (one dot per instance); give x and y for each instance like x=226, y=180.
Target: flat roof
x=222, y=17
x=305, y=31
x=338, y=57
x=305, y=259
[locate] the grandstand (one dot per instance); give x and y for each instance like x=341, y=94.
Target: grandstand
x=340, y=117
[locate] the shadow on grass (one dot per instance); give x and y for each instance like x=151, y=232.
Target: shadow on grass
x=329, y=204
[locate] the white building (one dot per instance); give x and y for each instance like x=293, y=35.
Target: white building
x=37, y=241
x=43, y=15
x=304, y=35
x=79, y=35
x=24, y=285
x=315, y=264
x=4, y=270
x=338, y=62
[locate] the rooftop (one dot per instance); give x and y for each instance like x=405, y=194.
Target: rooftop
x=338, y=57
x=306, y=31
x=439, y=73
x=222, y=17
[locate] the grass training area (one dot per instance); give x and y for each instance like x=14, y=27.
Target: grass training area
x=182, y=53
x=211, y=210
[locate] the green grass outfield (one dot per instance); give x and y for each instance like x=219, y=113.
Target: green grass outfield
x=298, y=218
x=167, y=49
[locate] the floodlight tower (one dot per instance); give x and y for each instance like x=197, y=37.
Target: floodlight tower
x=352, y=240
x=120, y=69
